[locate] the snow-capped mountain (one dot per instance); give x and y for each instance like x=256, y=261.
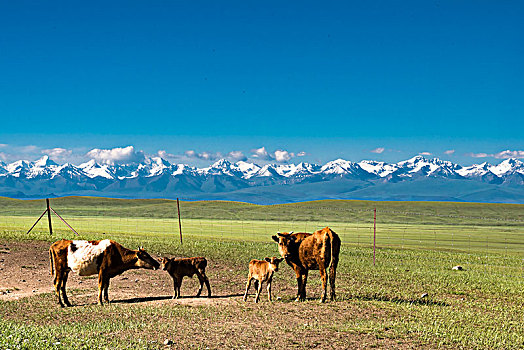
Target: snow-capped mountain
x=156, y=177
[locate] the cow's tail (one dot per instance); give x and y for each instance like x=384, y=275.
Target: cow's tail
x=52, y=261
x=335, y=251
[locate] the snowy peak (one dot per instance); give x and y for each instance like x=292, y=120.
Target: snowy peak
x=248, y=169
x=476, y=170
x=509, y=171
x=508, y=167
x=92, y=170
x=45, y=161
x=420, y=166
x=222, y=167
x=340, y=167
x=381, y=169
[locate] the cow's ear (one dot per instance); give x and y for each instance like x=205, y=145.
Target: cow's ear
x=275, y=238
x=280, y=234
x=267, y=259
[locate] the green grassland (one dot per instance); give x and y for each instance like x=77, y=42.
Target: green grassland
x=378, y=304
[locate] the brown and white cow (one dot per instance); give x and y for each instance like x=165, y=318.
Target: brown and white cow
x=178, y=268
x=261, y=271
x=106, y=258
x=304, y=252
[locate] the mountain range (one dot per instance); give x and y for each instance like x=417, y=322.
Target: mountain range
x=417, y=178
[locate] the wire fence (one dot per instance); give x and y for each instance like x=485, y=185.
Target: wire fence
x=496, y=234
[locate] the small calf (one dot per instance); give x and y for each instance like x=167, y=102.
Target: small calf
x=261, y=271
x=178, y=268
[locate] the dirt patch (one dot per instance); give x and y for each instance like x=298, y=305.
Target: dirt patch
x=222, y=321
x=25, y=271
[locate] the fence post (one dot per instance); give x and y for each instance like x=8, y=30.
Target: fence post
x=179, y=221
x=374, y=232
x=49, y=216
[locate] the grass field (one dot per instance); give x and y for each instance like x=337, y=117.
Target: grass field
x=378, y=305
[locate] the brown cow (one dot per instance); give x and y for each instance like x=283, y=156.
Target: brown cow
x=304, y=252
x=178, y=268
x=261, y=271
x=106, y=258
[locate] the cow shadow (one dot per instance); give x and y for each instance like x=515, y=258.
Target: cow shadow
x=140, y=300
x=170, y=297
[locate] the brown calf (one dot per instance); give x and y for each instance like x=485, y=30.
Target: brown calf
x=106, y=258
x=261, y=271
x=304, y=252
x=178, y=268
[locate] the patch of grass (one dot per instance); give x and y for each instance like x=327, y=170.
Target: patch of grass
x=379, y=305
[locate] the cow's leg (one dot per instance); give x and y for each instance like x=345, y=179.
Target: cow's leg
x=332, y=277
x=175, y=287
x=101, y=286
x=63, y=288
x=259, y=289
x=180, y=285
x=201, y=280
x=269, y=290
x=298, y=273
x=323, y=277
x=206, y=281
x=57, y=282
x=106, y=287
x=248, y=284
x=304, y=282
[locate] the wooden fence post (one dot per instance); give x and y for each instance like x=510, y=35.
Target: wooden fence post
x=49, y=216
x=179, y=221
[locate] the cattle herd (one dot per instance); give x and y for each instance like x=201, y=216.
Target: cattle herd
x=107, y=258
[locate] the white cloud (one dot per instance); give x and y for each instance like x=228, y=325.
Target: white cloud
x=509, y=154
x=261, y=153
x=280, y=155
x=116, y=155
x=203, y=155
x=425, y=153
x=29, y=149
x=236, y=156
x=2, y=145
x=449, y=152
x=164, y=155
x=57, y=153
x=301, y=154
x=3, y=156
x=478, y=155
x=501, y=155
x=283, y=156
x=378, y=150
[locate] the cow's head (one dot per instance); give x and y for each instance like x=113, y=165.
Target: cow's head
x=145, y=261
x=163, y=263
x=285, y=243
x=273, y=261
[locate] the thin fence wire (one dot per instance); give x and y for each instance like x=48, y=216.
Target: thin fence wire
x=491, y=242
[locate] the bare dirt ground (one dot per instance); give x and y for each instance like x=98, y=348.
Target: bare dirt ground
x=25, y=271
x=223, y=323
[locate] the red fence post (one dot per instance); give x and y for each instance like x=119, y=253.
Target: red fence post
x=374, y=232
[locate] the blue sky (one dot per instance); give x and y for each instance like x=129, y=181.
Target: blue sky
x=382, y=80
